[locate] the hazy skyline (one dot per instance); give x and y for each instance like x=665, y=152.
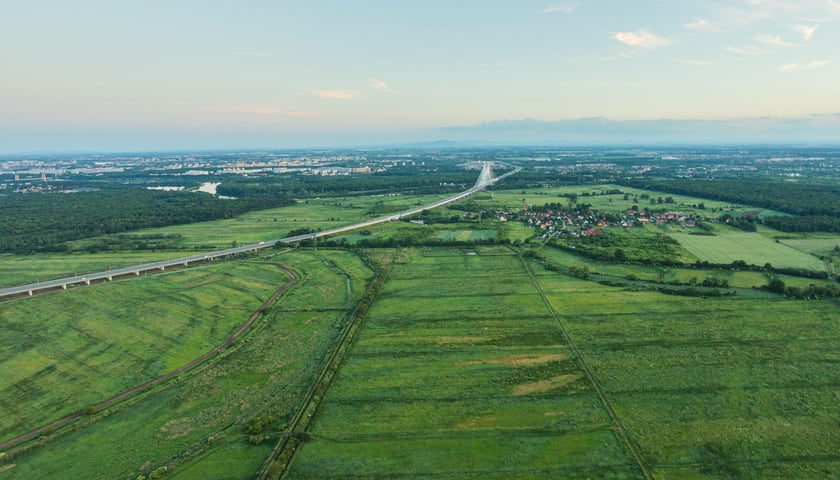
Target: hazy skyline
x=115, y=75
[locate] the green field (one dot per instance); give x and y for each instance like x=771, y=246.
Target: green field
x=813, y=244
x=460, y=370
x=752, y=248
x=713, y=388
x=471, y=362
x=466, y=235
x=516, y=199
x=64, y=351
x=196, y=425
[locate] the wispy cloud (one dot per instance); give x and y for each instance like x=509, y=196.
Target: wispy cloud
x=379, y=85
x=641, y=38
x=256, y=110
x=566, y=8
x=806, y=31
x=748, y=50
x=335, y=94
x=696, y=63
x=774, y=40
x=795, y=67
x=699, y=24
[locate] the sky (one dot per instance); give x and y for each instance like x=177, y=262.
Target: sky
x=156, y=75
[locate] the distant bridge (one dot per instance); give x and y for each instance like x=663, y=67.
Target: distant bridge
x=485, y=178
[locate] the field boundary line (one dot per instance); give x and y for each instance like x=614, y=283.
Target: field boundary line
x=590, y=375
x=293, y=278
x=278, y=462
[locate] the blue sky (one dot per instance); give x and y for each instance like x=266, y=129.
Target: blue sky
x=117, y=75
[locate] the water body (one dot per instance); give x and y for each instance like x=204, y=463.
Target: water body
x=208, y=187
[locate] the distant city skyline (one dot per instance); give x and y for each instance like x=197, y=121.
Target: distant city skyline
x=159, y=75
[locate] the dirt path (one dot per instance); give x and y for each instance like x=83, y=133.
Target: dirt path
x=129, y=393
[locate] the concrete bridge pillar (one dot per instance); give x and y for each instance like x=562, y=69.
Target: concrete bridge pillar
x=137, y=273
x=30, y=293
x=87, y=282
x=110, y=278
x=64, y=286
x=162, y=268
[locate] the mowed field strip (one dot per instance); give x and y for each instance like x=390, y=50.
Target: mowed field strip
x=460, y=370
x=750, y=247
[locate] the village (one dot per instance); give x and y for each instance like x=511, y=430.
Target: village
x=588, y=222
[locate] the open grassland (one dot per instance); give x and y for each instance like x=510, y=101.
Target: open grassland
x=460, y=371
x=712, y=388
x=64, y=351
x=408, y=233
x=271, y=224
x=752, y=248
x=516, y=199
x=814, y=244
x=197, y=425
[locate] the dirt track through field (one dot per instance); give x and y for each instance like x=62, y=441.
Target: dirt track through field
x=129, y=393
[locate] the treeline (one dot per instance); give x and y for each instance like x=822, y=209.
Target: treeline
x=820, y=223
x=44, y=222
x=309, y=186
x=805, y=199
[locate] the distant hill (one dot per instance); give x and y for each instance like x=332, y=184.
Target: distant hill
x=812, y=129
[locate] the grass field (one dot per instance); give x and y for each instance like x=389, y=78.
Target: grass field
x=813, y=244
x=712, y=388
x=461, y=371
x=605, y=203
x=64, y=351
x=466, y=235
x=752, y=248
x=196, y=425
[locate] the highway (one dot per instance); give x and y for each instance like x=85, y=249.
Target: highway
x=485, y=178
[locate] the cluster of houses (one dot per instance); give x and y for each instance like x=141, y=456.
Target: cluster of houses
x=590, y=223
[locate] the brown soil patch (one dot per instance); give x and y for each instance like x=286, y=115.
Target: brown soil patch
x=521, y=359
x=6, y=468
x=546, y=385
x=554, y=414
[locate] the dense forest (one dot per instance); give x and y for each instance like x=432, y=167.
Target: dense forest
x=43, y=222
x=816, y=206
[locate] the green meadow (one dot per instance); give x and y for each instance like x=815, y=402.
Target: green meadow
x=197, y=426
x=460, y=370
x=710, y=388
x=753, y=248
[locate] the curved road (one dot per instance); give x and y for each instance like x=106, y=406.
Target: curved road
x=485, y=179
